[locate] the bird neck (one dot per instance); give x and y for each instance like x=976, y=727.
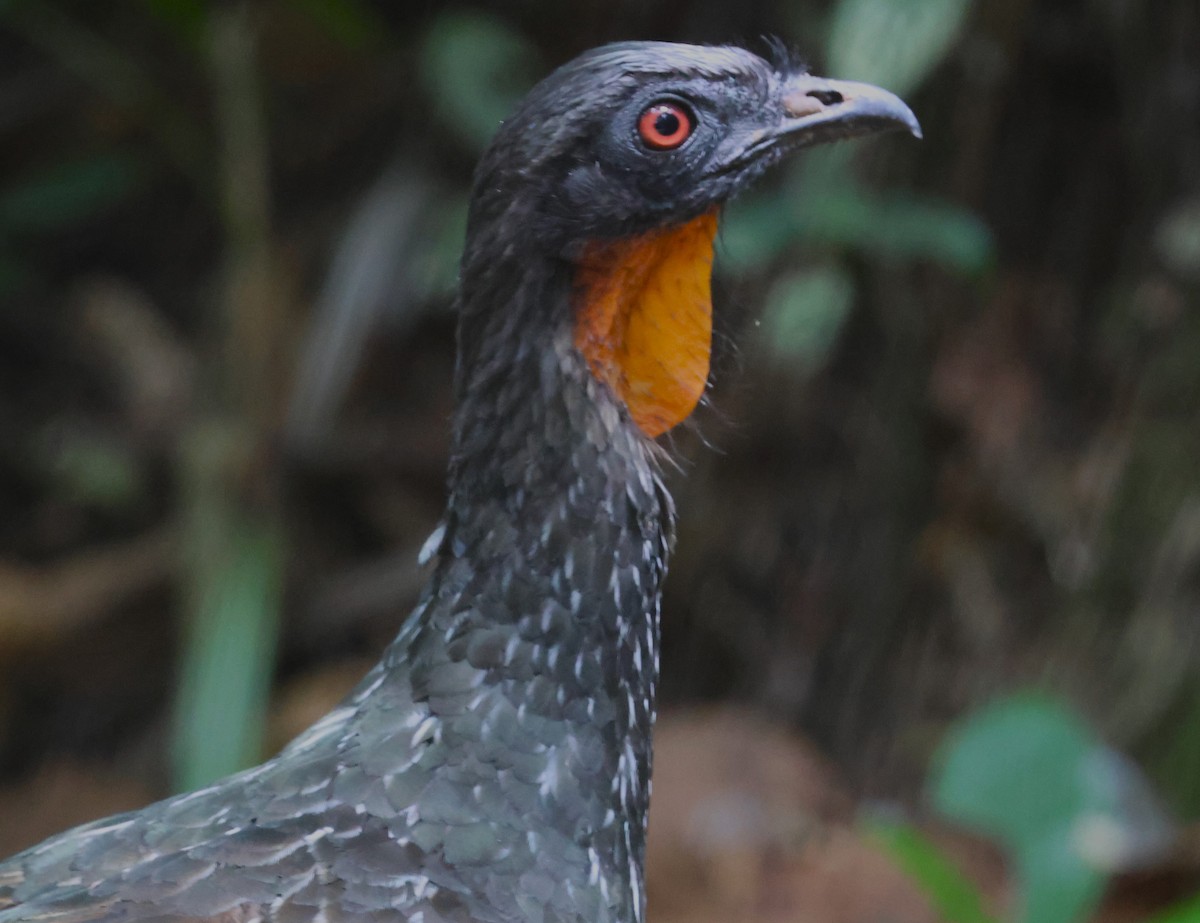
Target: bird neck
x=537, y=639
x=555, y=502
x=538, y=432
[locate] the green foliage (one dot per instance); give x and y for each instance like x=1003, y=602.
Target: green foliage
x=236, y=555
x=351, y=23
x=1186, y=912
x=824, y=202
x=1016, y=771
x=1068, y=810
x=65, y=194
x=804, y=313
x=57, y=198
x=1175, y=753
x=438, y=273
x=902, y=227
x=825, y=205
x=227, y=671
x=955, y=898
x=90, y=470
x=187, y=18
x=892, y=44
x=475, y=68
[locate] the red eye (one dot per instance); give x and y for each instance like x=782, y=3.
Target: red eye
x=664, y=126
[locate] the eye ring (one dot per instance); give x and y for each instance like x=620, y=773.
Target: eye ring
x=665, y=125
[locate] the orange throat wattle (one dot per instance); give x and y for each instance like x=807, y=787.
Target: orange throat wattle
x=643, y=319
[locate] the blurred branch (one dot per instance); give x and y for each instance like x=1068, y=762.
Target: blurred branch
x=50, y=601
x=254, y=309
x=154, y=369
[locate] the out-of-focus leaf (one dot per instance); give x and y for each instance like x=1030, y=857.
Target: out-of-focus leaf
x=1187, y=912
x=893, y=44
x=235, y=555
x=1067, y=808
x=904, y=227
x=352, y=23
x=91, y=470
x=1178, y=239
x=226, y=671
x=1176, y=765
x=755, y=230
x=441, y=272
x=187, y=18
x=899, y=227
x=475, y=68
x=953, y=895
x=758, y=228
x=66, y=193
x=804, y=313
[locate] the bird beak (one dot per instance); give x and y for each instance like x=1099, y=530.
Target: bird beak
x=813, y=110
x=816, y=110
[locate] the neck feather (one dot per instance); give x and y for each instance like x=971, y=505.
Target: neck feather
x=536, y=644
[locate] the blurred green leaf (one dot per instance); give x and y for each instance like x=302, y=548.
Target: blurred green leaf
x=1187, y=912
x=353, y=24
x=475, y=68
x=757, y=231
x=235, y=555
x=804, y=313
x=823, y=202
x=92, y=470
x=953, y=895
x=1178, y=751
x=906, y=227
x=1030, y=774
x=440, y=275
x=1015, y=771
x=226, y=670
x=187, y=18
x=66, y=193
x=892, y=44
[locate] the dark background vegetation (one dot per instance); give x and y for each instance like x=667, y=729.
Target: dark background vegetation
x=957, y=444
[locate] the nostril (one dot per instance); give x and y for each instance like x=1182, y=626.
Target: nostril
x=826, y=97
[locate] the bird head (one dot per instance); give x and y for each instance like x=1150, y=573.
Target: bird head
x=617, y=164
